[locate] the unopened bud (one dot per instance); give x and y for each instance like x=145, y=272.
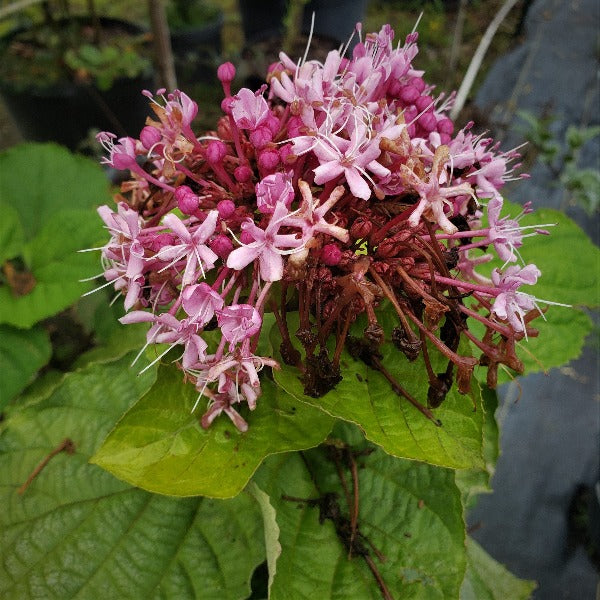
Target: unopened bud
x=331, y=255
x=187, y=201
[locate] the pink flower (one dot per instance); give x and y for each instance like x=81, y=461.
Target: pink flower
x=192, y=246
x=273, y=189
x=200, y=302
x=249, y=110
x=238, y=322
x=268, y=246
x=511, y=304
x=433, y=196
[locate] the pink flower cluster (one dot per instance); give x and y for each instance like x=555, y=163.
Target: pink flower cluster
x=343, y=182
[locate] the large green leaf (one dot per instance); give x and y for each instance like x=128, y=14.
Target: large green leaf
x=409, y=511
x=365, y=397
x=77, y=532
x=487, y=579
x=159, y=445
x=41, y=180
x=22, y=353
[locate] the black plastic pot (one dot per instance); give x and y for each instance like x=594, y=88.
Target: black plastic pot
x=196, y=50
x=334, y=19
x=66, y=111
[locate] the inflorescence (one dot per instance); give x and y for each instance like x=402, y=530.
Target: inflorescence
x=333, y=188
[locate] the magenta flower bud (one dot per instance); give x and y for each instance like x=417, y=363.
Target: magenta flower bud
x=215, y=151
x=418, y=82
x=226, y=208
x=427, y=121
x=226, y=105
x=273, y=124
x=445, y=125
x=246, y=237
x=268, y=160
x=286, y=154
x=260, y=137
x=160, y=241
x=410, y=113
x=221, y=246
x=243, y=173
x=331, y=255
x=187, y=201
x=445, y=138
x=424, y=103
x=294, y=126
x=409, y=93
x=226, y=72
x=149, y=136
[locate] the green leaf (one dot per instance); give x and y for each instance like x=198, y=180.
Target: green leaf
x=365, y=397
x=487, y=579
x=77, y=532
x=159, y=444
x=22, y=354
x=410, y=512
x=12, y=238
x=40, y=180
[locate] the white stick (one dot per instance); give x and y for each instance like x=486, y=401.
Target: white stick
x=486, y=40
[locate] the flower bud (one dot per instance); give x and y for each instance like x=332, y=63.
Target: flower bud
x=331, y=255
x=418, y=82
x=445, y=125
x=149, y=136
x=226, y=72
x=187, y=201
x=268, y=160
x=215, y=151
x=424, y=103
x=160, y=241
x=226, y=208
x=243, y=173
x=226, y=105
x=409, y=93
x=260, y=137
x=427, y=121
x=246, y=237
x=221, y=246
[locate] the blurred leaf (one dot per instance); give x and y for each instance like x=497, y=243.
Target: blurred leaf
x=12, y=238
x=159, y=445
x=56, y=267
x=43, y=180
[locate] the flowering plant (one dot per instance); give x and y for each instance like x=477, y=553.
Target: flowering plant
x=339, y=188
x=317, y=285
